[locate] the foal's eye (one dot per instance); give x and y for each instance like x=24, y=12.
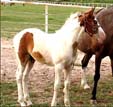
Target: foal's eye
x=95, y=22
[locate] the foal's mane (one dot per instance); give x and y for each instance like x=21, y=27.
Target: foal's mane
x=72, y=17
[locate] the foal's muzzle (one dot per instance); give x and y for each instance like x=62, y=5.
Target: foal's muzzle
x=95, y=29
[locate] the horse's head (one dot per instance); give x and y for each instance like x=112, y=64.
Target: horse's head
x=87, y=20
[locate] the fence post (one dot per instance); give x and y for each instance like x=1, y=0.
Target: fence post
x=46, y=18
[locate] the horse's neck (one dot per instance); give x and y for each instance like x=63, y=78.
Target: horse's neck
x=70, y=31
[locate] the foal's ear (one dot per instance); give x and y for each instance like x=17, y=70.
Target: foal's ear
x=90, y=12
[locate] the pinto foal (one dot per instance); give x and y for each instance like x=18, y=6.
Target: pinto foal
x=57, y=49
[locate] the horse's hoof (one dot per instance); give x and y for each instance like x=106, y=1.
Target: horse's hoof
x=86, y=87
x=94, y=102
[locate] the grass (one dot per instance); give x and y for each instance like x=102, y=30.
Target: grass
x=78, y=96
x=16, y=18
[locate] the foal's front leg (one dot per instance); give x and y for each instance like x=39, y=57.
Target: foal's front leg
x=57, y=83
x=66, y=87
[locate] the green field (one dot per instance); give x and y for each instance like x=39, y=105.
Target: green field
x=18, y=17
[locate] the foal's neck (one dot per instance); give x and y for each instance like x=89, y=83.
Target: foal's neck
x=71, y=31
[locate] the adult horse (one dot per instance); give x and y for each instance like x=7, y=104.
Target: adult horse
x=101, y=47
x=57, y=49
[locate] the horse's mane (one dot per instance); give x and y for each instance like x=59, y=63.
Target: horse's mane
x=72, y=17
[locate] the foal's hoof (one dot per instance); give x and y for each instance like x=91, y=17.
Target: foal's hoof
x=94, y=102
x=86, y=87
x=29, y=103
x=67, y=103
x=23, y=104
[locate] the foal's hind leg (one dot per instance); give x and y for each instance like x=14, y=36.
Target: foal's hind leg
x=29, y=66
x=22, y=61
x=19, y=74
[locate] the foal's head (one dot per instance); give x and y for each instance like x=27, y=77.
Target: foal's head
x=87, y=20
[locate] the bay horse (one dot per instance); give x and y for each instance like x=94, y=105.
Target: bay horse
x=101, y=48
x=55, y=49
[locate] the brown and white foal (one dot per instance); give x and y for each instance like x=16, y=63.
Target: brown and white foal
x=57, y=49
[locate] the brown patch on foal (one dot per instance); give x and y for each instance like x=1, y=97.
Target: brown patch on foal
x=38, y=56
x=74, y=46
x=25, y=49
x=25, y=46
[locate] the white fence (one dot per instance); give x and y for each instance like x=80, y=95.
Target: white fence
x=63, y=4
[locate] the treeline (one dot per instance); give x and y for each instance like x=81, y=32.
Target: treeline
x=78, y=1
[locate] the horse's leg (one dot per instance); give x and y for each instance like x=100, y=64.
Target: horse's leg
x=57, y=83
x=22, y=61
x=85, y=61
x=19, y=75
x=66, y=87
x=96, y=77
x=111, y=58
x=29, y=66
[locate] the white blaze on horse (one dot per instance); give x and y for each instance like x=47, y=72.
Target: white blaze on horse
x=56, y=49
